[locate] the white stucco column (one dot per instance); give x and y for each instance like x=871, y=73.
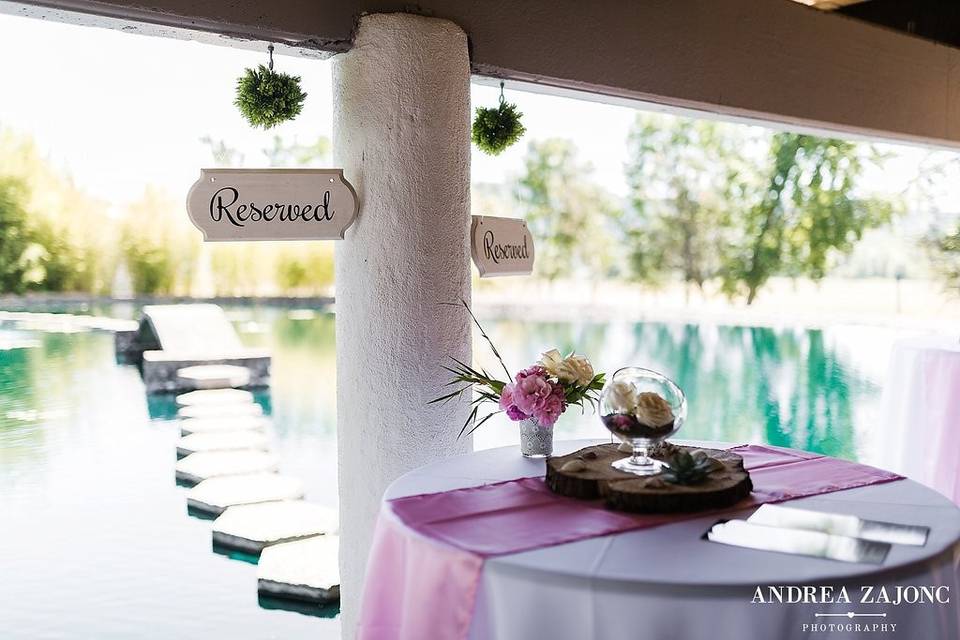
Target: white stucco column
x=402, y=134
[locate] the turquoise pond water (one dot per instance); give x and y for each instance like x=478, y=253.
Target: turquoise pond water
x=95, y=540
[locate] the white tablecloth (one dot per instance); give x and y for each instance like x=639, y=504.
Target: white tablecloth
x=667, y=583
x=920, y=420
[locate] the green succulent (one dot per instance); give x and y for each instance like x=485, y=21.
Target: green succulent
x=687, y=468
x=266, y=97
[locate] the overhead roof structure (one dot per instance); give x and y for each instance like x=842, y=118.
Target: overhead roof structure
x=771, y=60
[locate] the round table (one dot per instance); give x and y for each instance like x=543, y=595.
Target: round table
x=920, y=419
x=667, y=582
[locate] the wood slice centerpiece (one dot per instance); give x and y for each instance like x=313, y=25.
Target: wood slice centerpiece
x=593, y=478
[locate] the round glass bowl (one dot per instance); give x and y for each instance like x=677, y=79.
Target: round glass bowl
x=641, y=407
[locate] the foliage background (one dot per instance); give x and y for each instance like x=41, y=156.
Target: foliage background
x=709, y=204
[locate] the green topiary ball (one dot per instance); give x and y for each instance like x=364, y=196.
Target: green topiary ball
x=266, y=98
x=496, y=129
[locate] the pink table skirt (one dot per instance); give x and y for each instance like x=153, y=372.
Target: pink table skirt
x=919, y=424
x=428, y=550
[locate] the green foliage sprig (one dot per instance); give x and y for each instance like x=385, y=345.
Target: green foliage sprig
x=490, y=389
x=487, y=387
x=495, y=129
x=266, y=97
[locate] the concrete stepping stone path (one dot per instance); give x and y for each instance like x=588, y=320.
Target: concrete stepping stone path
x=223, y=441
x=218, y=425
x=206, y=397
x=305, y=570
x=197, y=467
x=250, y=528
x=215, y=376
x=215, y=495
x=220, y=410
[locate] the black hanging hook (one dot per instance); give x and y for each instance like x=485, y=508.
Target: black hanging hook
x=501, y=91
x=270, y=51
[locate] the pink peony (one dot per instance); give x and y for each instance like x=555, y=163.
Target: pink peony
x=506, y=403
x=531, y=392
x=535, y=370
x=516, y=415
x=551, y=407
x=533, y=395
x=621, y=422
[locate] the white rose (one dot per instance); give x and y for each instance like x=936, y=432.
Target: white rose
x=573, y=369
x=551, y=361
x=621, y=397
x=652, y=410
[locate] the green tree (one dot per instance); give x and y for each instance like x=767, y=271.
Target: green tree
x=805, y=212
x=159, y=246
x=20, y=254
x=74, y=240
x=223, y=154
x=305, y=268
x=294, y=154
x=682, y=174
x=944, y=251
x=567, y=213
x=280, y=153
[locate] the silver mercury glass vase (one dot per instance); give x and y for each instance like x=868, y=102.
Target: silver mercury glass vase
x=536, y=441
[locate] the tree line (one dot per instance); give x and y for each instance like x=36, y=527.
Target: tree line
x=707, y=203
x=57, y=238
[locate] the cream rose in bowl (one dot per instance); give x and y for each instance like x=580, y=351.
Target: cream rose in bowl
x=573, y=369
x=641, y=407
x=652, y=410
x=622, y=397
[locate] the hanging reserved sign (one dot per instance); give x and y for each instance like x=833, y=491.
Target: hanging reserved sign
x=501, y=246
x=272, y=204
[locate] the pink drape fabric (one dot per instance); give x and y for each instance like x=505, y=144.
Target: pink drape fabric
x=417, y=588
x=428, y=551
x=919, y=422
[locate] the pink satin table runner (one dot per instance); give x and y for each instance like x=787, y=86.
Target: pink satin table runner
x=425, y=563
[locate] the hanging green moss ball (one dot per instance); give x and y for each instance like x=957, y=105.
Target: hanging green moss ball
x=495, y=129
x=266, y=98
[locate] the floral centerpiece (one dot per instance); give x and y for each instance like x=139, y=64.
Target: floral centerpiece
x=536, y=396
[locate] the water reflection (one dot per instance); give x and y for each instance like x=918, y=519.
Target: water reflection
x=783, y=386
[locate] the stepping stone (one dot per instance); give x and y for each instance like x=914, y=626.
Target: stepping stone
x=197, y=467
x=220, y=410
x=205, y=397
x=329, y=611
x=222, y=441
x=252, y=527
x=9, y=344
x=218, y=425
x=215, y=376
x=213, y=496
x=306, y=570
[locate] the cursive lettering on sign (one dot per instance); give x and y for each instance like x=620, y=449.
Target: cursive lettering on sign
x=497, y=252
x=223, y=204
x=501, y=246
